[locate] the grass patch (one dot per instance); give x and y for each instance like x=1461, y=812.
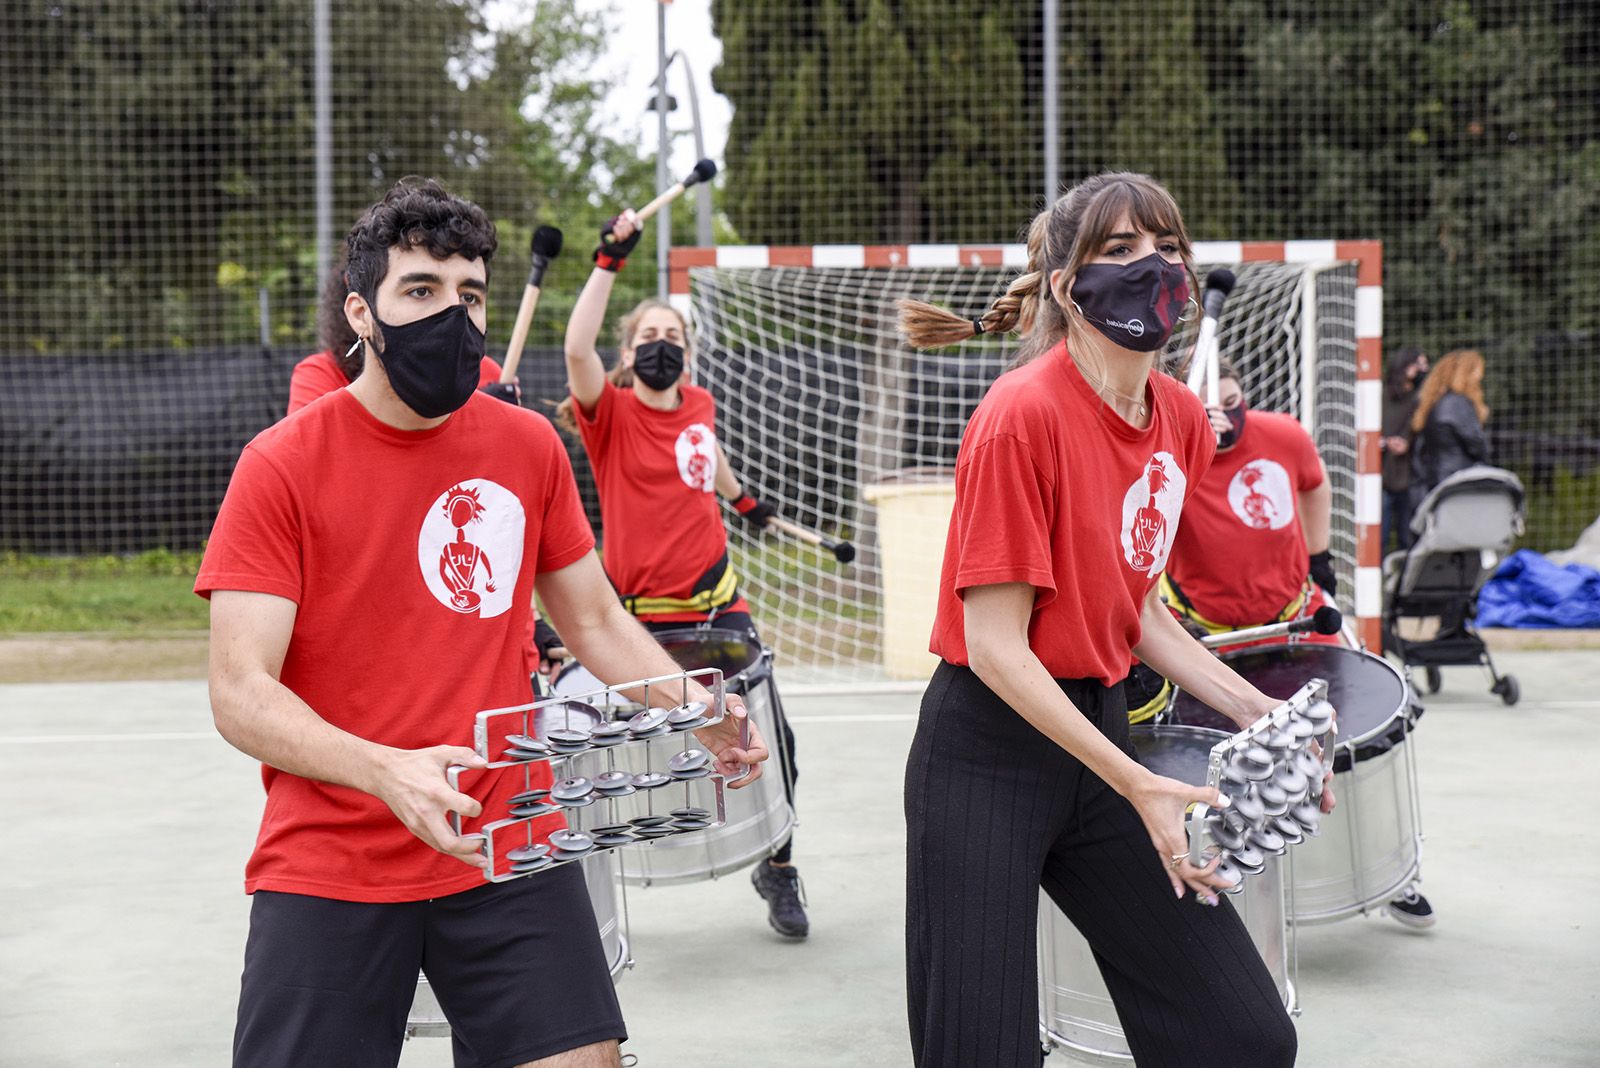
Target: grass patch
x=124, y=594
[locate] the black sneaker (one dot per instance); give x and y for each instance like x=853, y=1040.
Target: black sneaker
x=785, y=895
x=1412, y=909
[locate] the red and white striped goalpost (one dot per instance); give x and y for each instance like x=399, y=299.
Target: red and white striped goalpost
x=1367, y=256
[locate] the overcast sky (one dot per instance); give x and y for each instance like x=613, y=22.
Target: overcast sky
x=631, y=59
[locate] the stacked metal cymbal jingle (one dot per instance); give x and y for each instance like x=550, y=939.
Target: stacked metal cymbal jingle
x=562, y=729
x=1273, y=777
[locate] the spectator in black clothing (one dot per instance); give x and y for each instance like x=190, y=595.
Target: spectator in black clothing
x=1399, y=404
x=1448, y=422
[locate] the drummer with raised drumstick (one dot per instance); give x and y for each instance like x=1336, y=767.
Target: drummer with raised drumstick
x=1253, y=548
x=651, y=438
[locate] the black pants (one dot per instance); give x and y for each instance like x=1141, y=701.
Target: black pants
x=741, y=622
x=994, y=811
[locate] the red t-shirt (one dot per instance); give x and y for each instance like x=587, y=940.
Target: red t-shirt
x=1055, y=489
x=1241, y=556
x=412, y=557
x=319, y=373
x=657, y=476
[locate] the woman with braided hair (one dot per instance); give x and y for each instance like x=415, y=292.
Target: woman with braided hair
x=651, y=438
x=1070, y=480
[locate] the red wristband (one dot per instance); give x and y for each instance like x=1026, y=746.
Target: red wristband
x=608, y=262
x=745, y=505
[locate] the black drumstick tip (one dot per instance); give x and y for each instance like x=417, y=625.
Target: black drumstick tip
x=547, y=242
x=704, y=171
x=844, y=552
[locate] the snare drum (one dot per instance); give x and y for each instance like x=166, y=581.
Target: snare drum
x=760, y=818
x=426, y=1019
x=1370, y=847
x=1075, y=1009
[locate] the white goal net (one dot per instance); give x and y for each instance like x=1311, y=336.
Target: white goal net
x=828, y=415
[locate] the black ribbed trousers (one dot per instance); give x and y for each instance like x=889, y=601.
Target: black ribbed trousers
x=994, y=810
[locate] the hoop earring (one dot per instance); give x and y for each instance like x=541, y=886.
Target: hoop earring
x=1193, y=315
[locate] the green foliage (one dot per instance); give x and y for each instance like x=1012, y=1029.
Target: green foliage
x=161, y=155
x=150, y=591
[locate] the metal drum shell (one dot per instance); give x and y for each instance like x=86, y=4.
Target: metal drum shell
x=1075, y=1008
x=759, y=818
x=426, y=1018
x=1370, y=846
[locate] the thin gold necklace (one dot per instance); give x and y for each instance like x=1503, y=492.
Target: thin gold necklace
x=1141, y=408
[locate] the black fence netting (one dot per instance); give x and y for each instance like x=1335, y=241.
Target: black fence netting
x=133, y=451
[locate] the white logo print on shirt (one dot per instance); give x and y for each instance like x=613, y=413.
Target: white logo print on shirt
x=1150, y=511
x=697, y=457
x=470, y=547
x=1261, y=495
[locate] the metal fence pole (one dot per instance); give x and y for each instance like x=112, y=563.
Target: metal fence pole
x=1052, y=101
x=322, y=63
x=664, y=216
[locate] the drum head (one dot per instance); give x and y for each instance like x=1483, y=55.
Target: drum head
x=1181, y=753
x=1367, y=691
x=730, y=651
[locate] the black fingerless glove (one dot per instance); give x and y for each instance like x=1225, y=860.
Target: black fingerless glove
x=506, y=391
x=1322, y=572
x=545, y=638
x=613, y=253
x=755, y=513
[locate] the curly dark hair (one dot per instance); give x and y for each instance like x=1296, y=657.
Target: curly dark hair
x=416, y=213
x=333, y=326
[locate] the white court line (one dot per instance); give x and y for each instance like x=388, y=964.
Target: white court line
x=58, y=739
x=826, y=717
x=856, y=717
x=201, y=736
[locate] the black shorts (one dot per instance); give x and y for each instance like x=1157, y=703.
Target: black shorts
x=517, y=967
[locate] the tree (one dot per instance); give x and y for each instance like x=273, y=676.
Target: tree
x=159, y=155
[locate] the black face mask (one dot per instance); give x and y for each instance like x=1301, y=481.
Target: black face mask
x=433, y=363
x=1136, y=305
x=1236, y=419
x=658, y=364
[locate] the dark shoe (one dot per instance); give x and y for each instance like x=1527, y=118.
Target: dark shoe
x=785, y=898
x=1412, y=909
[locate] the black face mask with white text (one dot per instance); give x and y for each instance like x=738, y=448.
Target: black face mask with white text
x=1135, y=305
x=433, y=362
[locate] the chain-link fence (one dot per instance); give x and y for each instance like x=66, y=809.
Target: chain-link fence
x=160, y=162
x=1463, y=135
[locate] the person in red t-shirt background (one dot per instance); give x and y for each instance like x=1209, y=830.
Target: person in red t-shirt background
x=1069, y=484
x=651, y=438
x=370, y=574
x=1253, y=548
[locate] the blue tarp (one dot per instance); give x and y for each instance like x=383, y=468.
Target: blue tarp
x=1530, y=591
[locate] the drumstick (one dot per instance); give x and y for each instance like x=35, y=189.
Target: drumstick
x=703, y=171
x=842, y=551
x=546, y=246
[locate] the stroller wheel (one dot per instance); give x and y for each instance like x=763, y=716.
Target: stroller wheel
x=1435, y=680
x=1508, y=689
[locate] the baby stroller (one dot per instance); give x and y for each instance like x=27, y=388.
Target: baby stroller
x=1464, y=528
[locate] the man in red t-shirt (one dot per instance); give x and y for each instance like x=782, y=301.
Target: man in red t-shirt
x=339, y=364
x=1253, y=547
x=370, y=575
